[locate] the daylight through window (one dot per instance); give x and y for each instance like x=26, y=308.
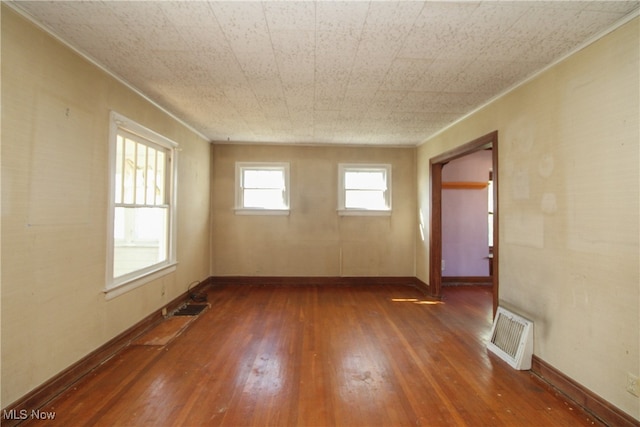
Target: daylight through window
x=262, y=187
x=142, y=202
x=364, y=188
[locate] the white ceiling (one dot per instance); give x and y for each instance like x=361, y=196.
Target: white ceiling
x=351, y=72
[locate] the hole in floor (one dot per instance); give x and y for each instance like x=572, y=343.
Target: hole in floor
x=190, y=310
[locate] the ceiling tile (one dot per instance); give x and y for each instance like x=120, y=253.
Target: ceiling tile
x=244, y=25
x=290, y=16
x=337, y=43
x=352, y=72
x=404, y=74
x=341, y=16
x=442, y=102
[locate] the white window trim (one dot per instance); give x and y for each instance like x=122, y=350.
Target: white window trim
x=345, y=167
x=242, y=210
x=118, y=286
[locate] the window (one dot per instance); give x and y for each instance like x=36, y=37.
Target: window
x=364, y=189
x=490, y=206
x=262, y=188
x=142, y=217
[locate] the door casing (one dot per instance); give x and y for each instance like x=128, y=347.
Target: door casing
x=436, y=163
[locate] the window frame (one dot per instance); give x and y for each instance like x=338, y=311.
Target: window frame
x=121, y=125
x=343, y=168
x=240, y=208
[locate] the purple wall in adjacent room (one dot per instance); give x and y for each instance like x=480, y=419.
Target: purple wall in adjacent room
x=464, y=217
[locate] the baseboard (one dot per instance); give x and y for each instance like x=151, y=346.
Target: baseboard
x=424, y=287
x=581, y=396
x=312, y=280
x=44, y=393
x=323, y=281
x=475, y=280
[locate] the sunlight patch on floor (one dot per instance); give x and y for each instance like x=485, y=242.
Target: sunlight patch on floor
x=417, y=301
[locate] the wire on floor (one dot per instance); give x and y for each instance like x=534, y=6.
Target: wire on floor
x=196, y=296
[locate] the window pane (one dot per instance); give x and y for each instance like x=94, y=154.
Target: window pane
x=151, y=176
x=365, y=180
x=129, y=170
x=119, y=225
x=150, y=224
x=490, y=206
x=490, y=229
x=264, y=198
x=140, y=236
x=141, y=173
x=160, y=178
x=365, y=199
x=119, y=168
x=490, y=196
x=263, y=179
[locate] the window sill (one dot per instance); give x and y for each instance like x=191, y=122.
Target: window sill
x=136, y=282
x=364, y=212
x=248, y=211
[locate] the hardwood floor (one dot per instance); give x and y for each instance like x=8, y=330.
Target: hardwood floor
x=319, y=356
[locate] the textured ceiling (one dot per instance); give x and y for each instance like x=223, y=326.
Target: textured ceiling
x=355, y=72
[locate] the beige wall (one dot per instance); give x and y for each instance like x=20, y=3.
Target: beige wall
x=313, y=240
x=55, y=118
x=569, y=213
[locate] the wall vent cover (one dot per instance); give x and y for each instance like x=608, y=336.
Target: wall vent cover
x=512, y=339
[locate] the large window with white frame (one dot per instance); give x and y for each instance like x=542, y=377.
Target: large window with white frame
x=262, y=188
x=142, y=204
x=364, y=189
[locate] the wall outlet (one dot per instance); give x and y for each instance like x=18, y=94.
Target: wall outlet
x=164, y=311
x=442, y=265
x=633, y=386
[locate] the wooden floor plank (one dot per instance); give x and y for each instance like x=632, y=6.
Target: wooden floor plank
x=319, y=356
x=165, y=331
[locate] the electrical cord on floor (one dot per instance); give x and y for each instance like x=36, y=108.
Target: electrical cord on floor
x=196, y=296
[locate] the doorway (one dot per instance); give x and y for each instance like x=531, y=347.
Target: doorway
x=435, y=242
